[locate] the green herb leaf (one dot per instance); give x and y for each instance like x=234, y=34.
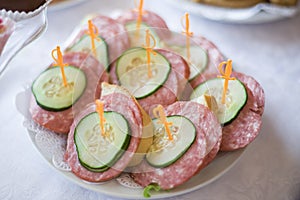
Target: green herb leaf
x=150, y=187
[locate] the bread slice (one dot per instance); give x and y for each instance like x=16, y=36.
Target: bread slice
x=284, y=2
x=231, y=3
x=147, y=132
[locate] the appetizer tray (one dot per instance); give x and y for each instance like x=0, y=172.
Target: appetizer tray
x=57, y=142
x=260, y=13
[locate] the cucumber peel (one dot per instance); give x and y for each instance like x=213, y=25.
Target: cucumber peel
x=50, y=92
x=236, y=97
x=96, y=151
x=165, y=152
x=132, y=72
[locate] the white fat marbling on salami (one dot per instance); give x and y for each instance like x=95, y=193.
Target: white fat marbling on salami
x=243, y=129
x=180, y=66
x=61, y=121
x=192, y=161
x=256, y=90
x=130, y=110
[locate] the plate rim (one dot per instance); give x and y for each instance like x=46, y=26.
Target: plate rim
x=259, y=16
x=64, y=4
x=162, y=194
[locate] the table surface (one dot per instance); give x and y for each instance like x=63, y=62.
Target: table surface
x=270, y=167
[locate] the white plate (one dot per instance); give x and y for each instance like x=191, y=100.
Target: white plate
x=51, y=146
x=64, y=4
x=260, y=13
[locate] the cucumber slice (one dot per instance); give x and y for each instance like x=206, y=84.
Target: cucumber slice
x=52, y=95
x=84, y=45
x=163, y=151
x=236, y=97
x=132, y=72
x=137, y=39
x=96, y=152
x=198, y=58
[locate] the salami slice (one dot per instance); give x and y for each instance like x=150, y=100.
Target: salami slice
x=243, y=130
x=150, y=18
x=111, y=31
x=180, y=66
x=192, y=161
x=246, y=126
x=129, y=109
x=172, y=88
x=60, y=122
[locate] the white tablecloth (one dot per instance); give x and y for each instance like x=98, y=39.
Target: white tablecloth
x=270, y=167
